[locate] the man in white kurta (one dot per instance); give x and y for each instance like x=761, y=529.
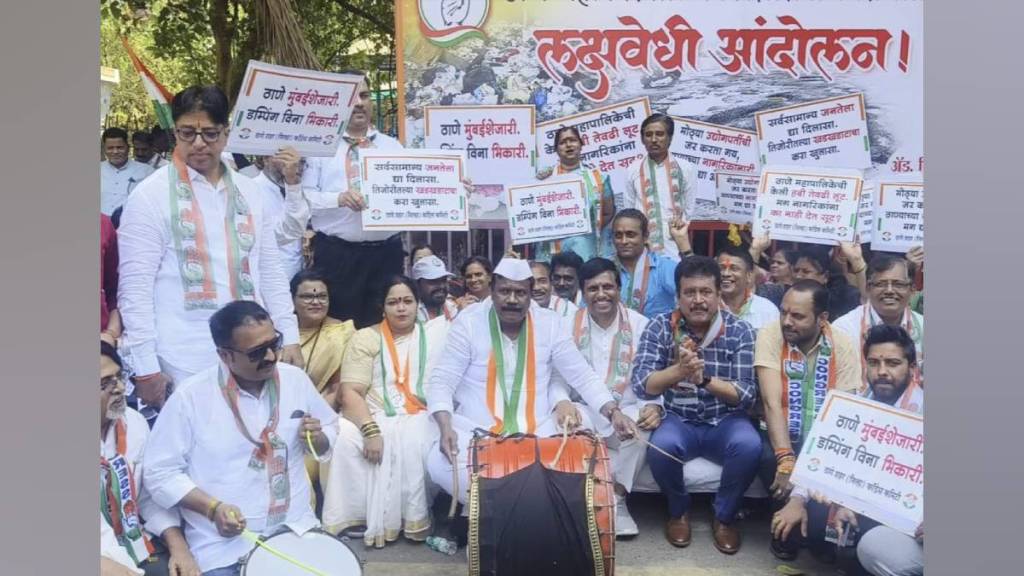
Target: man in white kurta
x=188, y=250
x=461, y=375
x=277, y=194
x=203, y=457
x=123, y=437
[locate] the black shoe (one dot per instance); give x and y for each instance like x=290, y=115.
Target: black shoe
x=783, y=550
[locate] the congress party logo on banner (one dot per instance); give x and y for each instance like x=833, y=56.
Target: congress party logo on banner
x=448, y=22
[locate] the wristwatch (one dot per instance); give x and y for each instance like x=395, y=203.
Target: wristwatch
x=686, y=254
x=704, y=383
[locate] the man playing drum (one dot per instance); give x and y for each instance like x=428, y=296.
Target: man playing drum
x=229, y=447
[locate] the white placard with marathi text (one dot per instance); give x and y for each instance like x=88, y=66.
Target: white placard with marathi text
x=414, y=190
x=868, y=457
x=710, y=148
x=498, y=140
x=552, y=210
x=866, y=212
x=899, y=217
x=737, y=196
x=831, y=133
x=815, y=205
x=279, y=106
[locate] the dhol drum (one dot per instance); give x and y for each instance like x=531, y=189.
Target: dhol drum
x=316, y=549
x=540, y=506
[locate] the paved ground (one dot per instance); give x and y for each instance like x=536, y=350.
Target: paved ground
x=646, y=555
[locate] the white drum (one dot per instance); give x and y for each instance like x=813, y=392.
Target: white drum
x=316, y=549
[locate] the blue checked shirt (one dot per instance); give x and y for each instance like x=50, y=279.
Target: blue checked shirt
x=730, y=357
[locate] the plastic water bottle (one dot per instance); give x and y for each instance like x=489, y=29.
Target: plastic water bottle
x=442, y=545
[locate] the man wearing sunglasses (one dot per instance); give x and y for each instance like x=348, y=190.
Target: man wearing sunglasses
x=229, y=447
x=193, y=237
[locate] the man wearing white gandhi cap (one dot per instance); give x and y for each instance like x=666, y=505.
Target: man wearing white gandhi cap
x=506, y=350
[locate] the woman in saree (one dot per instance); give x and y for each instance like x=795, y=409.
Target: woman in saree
x=377, y=477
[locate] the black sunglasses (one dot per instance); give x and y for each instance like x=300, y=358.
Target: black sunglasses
x=260, y=352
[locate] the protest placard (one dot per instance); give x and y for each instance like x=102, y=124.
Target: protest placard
x=710, y=148
x=866, y=212
x=737, y=196
x=279, y=106
x=610, y=136
x=414, y=189
x=868, y=457
x=831, y=133
x=899, y=217
x=552, y=210
x=815, y=205
x=498, y=140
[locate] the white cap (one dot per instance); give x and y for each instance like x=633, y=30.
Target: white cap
x=429, y=268
x=514, y=269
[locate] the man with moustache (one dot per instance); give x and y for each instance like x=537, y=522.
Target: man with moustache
x=127, y=546
x=647, y=278
x=657, y=185
x=799, y=359
x=119, y=174
x=542, y=291
x=738, y=288
x=193, y=237
x=700, y=357
x=229, y=447
x=565, y=276
x=608, y=335
x=278, y=197
x=492, y=334
x=431, y=279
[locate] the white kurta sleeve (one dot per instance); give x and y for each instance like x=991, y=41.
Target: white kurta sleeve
x=166, y=458
x=292, y=226
x=313, y=187
x=156, y=518
x=141, y=241
x=451, y=367
x=273, y=285
x=322, y=411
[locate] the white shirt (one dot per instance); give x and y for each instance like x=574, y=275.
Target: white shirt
x=850, y=324
x=760, y=313
x=449, y=310
x=562, y=307
x=157, y=162
x=117, y=183
x=291, y=247
x=157, y=519
x=150, y=293
x=460, y=375
x=196, y=444
x=323, y=180
x=633, y=196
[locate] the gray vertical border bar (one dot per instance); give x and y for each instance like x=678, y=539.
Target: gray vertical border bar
x=50, y=237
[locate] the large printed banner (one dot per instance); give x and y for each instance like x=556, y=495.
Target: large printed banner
x=709, y=148
x=551, y=210
x=899, y=217
x=831, y=133
x=414, y=190
x=279, y=106
x=818, y=206
x=719, y=63
x=868, y=457
x=498, y=140
x=610, y=136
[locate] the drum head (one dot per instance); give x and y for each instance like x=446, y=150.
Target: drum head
x=315, y=549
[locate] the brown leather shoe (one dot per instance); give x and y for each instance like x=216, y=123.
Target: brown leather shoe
x=677, y=531
x=727, y=537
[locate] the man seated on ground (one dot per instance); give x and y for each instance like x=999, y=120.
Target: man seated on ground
x=700, y=356
x=738, y=288
x=565, y=276
x=497, y=367
x=431, y=279
x=608, y=335
x=647, y=277
x=127, y=545
x=229, y=447
x=798, y=359
x=543, y=295
x=889, y=290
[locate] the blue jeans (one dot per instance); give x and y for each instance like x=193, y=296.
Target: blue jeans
x=232, y=570
x=733, y=444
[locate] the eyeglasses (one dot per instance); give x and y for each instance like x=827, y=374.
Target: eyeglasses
x=310, y=298
x=894, y=284
x=260, y=352
x=188, y=134
x=112, y=381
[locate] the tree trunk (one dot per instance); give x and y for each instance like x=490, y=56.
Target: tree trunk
x=223, y=34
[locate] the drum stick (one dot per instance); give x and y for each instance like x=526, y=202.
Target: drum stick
x=455, y=490
x=671, y=457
